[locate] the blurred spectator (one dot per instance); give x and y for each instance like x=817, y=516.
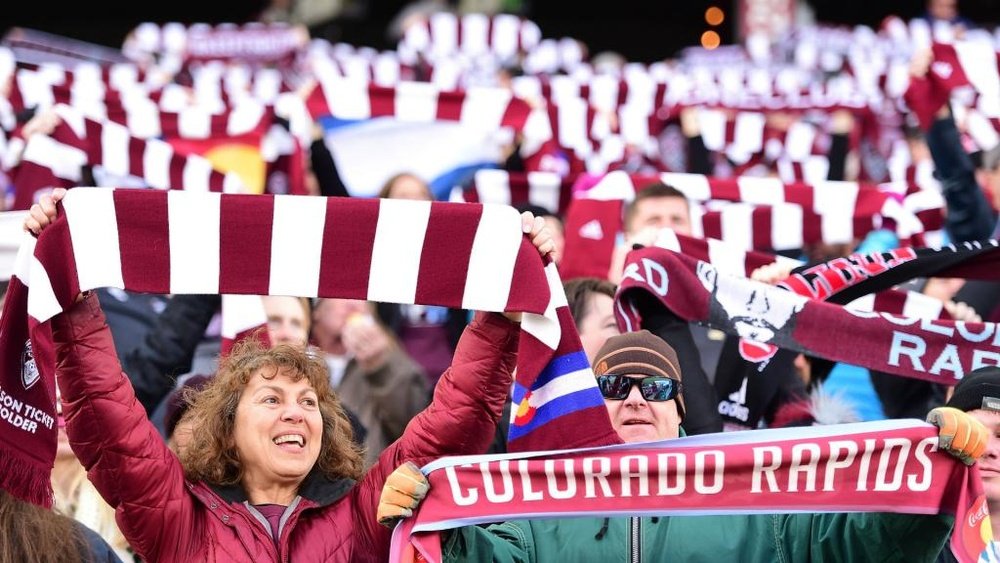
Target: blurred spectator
x=372, y=375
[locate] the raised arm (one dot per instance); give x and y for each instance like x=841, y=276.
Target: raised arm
x=109, y=431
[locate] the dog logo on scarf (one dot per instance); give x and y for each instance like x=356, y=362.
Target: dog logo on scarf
x=29, y=369
x=760, y=317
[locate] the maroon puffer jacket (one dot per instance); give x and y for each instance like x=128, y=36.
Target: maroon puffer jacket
x=166, y=518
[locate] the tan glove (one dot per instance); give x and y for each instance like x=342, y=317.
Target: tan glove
x=959, y=433
x=403, y=490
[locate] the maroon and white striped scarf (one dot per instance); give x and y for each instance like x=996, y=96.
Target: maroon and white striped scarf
x=455, y=255
x=937, y=350
x=545, y=189
x=57, y=160
x=886, y=466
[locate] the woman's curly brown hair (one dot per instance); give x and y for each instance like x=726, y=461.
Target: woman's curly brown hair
x=211, y=455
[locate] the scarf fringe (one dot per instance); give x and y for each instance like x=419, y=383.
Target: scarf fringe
x=26, y=481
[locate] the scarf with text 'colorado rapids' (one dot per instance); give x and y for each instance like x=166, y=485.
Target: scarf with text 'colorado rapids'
x=941, y=351
x=454, y=255
x=884, y=466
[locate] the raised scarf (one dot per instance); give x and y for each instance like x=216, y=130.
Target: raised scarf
x=454, y=255
x=885, y=466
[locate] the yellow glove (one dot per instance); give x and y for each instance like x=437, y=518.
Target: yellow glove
x=403, y=490
x=959, y=433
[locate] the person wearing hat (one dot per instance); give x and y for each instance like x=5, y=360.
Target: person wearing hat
x=978, y=394
x=638, y=375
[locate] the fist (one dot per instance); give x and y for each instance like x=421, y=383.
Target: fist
x=403, y=490
x=959, y=433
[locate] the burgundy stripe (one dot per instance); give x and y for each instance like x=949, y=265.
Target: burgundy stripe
x=348, y=240
x=519, y=189
x=176, y=170
x=219, y=124
x=383, y=101
x=142, y=216
x=169, y=123
x=516, y=113
x=799, y=193
x=444, y=260
x=136, y=162
x=812, y=226
x=245, y=244
x=761, y=220
x=449, y=105
x=29, y=178
x=524, y=295
x=458, y=34
x=711, y=224
x=726, y=189
x=216, y=180
x=489, y=33
x=92, y=139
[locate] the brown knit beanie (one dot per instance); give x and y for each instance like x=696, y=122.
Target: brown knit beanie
x=639, y=353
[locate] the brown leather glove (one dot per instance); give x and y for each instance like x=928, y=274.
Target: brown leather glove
x=959, y=433
x=403, y=490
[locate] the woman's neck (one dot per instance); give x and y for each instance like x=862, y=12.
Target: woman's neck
x=270, y=493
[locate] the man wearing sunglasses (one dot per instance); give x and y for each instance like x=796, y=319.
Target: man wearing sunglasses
x=639, y=376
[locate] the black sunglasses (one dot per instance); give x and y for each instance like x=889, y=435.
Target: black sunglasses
x=658, y=388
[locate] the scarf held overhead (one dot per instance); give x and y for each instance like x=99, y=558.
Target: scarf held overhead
x=885, y=466
x=453, y=255
x=937, y=350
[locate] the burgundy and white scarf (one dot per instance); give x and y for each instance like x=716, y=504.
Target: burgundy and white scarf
x=455, y=255
x=545, y=189
x=937, y=350
x=57, y=160
x=886, y=466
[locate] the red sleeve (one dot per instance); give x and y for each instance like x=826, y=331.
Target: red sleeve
x=125, y=456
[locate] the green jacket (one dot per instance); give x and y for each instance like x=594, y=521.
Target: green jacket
x=813, y=537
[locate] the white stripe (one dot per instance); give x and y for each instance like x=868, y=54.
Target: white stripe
x=114, y=144
x=737, y=225
x=493, y=186
x=562, y=385
x=918, y=305
x=42, y=302
x=242, y=312
x=474, y=38
x=156, y=163
x=416, y=101
x=197, y=170
x=491, y=262
x=695, y=186
x=713, y=128
x=727, y=258
x=614, y=185
x=65, y=161
x=244, y=118
x=544, y=190
x=484, y=107
x=761, y=191
x=93, y=227
x=863, y=303
x=799, y=141
x=143, y=120
x=506, y=29
x=193, y=219
x=786, y=226
x=444, y=33
x=546, y=327
x=572, y=119
x=399, y=242
x=297, y=245
x=667, y=238
x=836, y=209
x=194, y=123
x=21, y=266
x=348, y=99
